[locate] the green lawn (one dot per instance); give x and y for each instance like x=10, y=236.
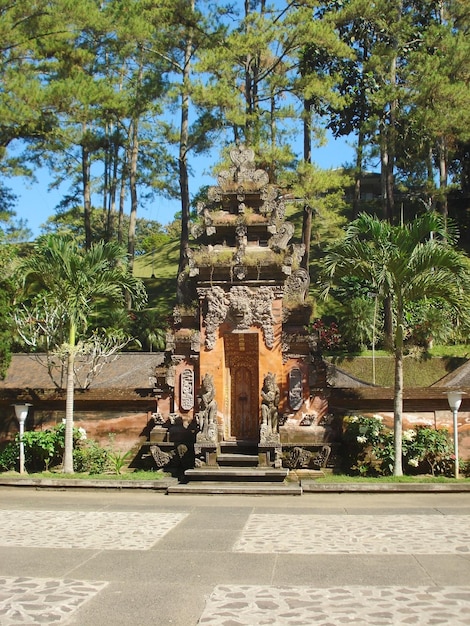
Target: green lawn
x=419, y=370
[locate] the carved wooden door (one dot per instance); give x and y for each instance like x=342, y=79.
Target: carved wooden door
x=242, y=360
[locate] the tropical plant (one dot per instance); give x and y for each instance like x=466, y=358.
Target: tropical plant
x=89, y=457
x=369, y=448
x=433, y=447
x=402, y=263
x=73, y=281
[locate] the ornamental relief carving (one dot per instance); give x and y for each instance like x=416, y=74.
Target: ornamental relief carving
x=187, y=389
x=243, y=308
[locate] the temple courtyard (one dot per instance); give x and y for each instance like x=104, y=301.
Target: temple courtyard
x=93, y=558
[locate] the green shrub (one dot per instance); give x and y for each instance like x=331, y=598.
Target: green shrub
x=369, y=448
x=431, y=447
x=89, y=457
x=9, y=457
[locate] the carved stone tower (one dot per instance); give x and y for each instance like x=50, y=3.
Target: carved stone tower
x=244, y=367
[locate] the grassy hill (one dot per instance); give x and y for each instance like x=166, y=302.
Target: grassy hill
x=418, y=371
x=158, y=271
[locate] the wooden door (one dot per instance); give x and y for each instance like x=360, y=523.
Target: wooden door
x=242, y=360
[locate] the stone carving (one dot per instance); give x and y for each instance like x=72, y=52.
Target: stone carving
x=196, y=341
x=269, y=197
x=270, y=396
x=207, y=415
x=262, y=306
x=243, y=171
x=170, y=343
x=300, y=458
x=295, y=388
x=308, y=419
x=160, y=457
x=240, y=306
x=217, y=309
x=187, y=389
x=170, y=376
x=244, y=306
x=177, y=457
x=296, y=285
x=241, y=233
x=279, y=241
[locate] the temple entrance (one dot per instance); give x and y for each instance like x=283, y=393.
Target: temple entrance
x=241, y=357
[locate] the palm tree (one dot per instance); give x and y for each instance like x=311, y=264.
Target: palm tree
x=404, y=263
x=73, y=280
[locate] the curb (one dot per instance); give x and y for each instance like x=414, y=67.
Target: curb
x=78, y=483
x=308, y=486
x=313, y=487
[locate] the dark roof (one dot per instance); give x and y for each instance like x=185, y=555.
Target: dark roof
x=126, y=370
x=460, y=377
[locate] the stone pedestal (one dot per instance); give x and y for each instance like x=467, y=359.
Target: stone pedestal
x=270, y=455
x=158, y=434
x=206, y=452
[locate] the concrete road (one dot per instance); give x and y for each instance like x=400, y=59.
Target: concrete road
x=107, y=558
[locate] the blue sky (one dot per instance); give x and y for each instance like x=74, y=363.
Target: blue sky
x=36, y=203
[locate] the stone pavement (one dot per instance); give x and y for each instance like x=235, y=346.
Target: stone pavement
x=96, y=558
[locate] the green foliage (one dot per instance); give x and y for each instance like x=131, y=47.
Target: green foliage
x=428, y=321
x=90, y=457
x=117, y=460
x=432, y=447
x=328, y=336
x=369, y=447
x=358, y=323
x=42, y=446
x=9, y=456
x=7, y=292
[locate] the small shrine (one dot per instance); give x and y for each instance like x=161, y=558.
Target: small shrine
x=244, y=370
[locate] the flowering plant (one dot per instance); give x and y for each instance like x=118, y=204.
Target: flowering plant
x=329, y=337
x=370, y=447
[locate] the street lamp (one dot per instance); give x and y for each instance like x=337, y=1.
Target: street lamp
x=21, y=411
x=455, y=400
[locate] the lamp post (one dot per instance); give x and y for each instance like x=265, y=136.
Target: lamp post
x=454, y=398
x=21, y=411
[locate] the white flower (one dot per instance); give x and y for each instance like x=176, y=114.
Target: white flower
x=361, y=439
x=378, y=417
x=409, y=435
x=413, y=462
x=82, y=432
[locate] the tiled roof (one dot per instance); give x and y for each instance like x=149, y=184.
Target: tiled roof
x=127, y=370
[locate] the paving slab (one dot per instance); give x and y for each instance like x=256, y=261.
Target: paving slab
x=244, y=605
x=124, y=558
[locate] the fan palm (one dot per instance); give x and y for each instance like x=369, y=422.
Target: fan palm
x=75, y=280
x=403, y=263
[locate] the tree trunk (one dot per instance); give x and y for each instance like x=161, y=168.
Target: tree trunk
x=133, y=192
x=398, y=398
x=86, y=191
x=122, y=200
x=183, y=156
x=307, y=209
x=67, y=466
x=442, y=153
x=358, y=173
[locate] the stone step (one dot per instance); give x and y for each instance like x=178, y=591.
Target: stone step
x=237, y=459
x=236, y=488
x=252, y=474
x=238, y=447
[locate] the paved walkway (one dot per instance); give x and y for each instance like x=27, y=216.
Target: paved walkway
x=133, y=558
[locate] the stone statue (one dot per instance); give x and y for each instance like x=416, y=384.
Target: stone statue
x=207, y=415
x=270, y=396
